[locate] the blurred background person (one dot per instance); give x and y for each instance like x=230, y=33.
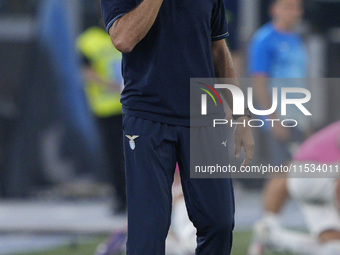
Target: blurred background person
x=54, y=142
x=278, y=58
x=317, y=193
x=102, y=73
x=276, y=53
x=319, y=197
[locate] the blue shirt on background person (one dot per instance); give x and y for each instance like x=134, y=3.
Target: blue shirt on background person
x=279, y=56
x=157, y=72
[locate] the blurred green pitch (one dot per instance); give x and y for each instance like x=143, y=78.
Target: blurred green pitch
x=241, y=242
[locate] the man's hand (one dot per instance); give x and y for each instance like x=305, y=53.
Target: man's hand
x=243, y=137
x=224, y=69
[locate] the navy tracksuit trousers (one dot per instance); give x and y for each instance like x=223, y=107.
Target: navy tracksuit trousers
x=150, y=161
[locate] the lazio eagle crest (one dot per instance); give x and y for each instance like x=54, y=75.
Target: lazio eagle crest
x=132, y=141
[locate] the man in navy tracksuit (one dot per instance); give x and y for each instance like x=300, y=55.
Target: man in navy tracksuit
x=165, y=43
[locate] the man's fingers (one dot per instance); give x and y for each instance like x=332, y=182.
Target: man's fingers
x=237, y=148
x=251, y=149
x=245, y=162
x=249, y=152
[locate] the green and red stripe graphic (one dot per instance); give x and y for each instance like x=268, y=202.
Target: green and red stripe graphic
x=210, y=94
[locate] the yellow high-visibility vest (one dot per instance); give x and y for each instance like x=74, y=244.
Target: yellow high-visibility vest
x=95, y=44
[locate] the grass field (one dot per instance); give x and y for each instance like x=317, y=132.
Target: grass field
x=241, y=241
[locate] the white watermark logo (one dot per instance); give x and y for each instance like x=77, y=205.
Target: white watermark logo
x=239, y=104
